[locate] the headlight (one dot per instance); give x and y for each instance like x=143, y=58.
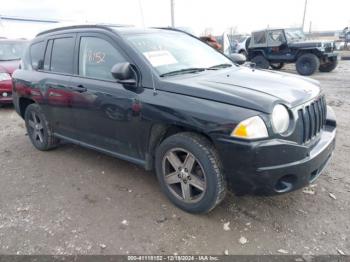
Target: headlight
x=322, y=47
x=251, y=128
x=4, y=76
x=280, y=119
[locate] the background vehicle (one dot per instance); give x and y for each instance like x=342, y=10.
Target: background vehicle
x=165, y=100
x=239, y=44
x=212, y=41
x=345, y=35
x=275, y=47
x=222, y=44
x=10, y=55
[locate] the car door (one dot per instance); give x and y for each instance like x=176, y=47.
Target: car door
x=107, y=112
x=57, y=69
x=277, y=45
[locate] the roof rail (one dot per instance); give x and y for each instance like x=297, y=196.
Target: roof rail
x=102, y=26
x=176, y=30
x=114, y=25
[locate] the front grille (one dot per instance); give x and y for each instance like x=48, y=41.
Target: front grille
x=313, y=118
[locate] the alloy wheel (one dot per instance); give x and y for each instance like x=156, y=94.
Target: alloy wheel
x=184, y=175
x=36, y=128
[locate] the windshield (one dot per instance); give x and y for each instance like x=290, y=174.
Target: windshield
x=176, y=52
x=294, y=34
x=11, y=50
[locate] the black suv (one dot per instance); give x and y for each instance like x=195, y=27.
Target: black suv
x=167, y=101
x=275, y=47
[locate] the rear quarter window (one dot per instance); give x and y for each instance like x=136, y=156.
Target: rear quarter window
x=37, y=54
x=259, y=37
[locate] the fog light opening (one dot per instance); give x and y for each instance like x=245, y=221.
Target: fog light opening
x=285, y=183
x=314, y=175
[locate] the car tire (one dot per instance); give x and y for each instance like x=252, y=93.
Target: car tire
x=307, y=64
x=38, y=129
x=189, y=172
x=261, y=62
x=328, y=67
x=277, y=66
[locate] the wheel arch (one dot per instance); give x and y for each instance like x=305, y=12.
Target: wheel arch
x=313, y=51
x=159, y=132
x=23, y=103
x=254, y=53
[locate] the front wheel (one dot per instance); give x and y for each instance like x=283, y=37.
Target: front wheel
x=328, y=67
x=189, y=172
x=38, y=129
x=307, y=64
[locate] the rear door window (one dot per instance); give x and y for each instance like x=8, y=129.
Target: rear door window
x=37, y=54
x=62, y=55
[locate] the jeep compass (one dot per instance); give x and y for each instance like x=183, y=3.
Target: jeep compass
x=168, y=102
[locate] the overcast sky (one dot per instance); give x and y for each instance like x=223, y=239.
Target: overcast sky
x=219, y=15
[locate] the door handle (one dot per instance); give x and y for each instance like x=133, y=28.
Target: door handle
x=79, y=88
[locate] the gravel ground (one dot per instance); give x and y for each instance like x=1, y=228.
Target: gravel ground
x=76, y=201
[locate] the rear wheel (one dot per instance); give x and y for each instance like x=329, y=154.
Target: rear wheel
x=189, y=172
x=276, y=66
x=307, y=64
x=328, y=67
x=38, y=129
x=261, y=62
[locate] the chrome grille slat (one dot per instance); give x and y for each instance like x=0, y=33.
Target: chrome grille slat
x=315, y=107
x=312, y=118
x=312, y=121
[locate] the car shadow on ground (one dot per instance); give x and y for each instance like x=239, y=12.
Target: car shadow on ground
x=253, y=207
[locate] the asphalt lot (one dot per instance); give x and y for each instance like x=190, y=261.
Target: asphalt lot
x=76, y=201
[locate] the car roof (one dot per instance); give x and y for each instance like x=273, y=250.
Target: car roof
x=119, y=29
x=277, y=28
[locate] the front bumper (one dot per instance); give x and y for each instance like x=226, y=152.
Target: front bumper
x=276, y=166
x=330, y=56
x=6, y=92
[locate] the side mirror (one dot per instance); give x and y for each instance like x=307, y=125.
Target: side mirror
x=124, y=73
x=238, y=58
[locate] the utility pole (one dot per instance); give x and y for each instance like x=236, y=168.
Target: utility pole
x=172, y=5
x=302, y=25
x=310, y=27
x=141, y=13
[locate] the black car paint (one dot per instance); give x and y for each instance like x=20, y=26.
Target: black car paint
x=129, y=122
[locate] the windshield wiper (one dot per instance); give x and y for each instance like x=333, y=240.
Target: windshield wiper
x=219, y=66
x=183, y=71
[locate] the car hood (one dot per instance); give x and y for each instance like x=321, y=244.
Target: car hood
x=241, y=86
x=9, y=66
x=310, y=43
